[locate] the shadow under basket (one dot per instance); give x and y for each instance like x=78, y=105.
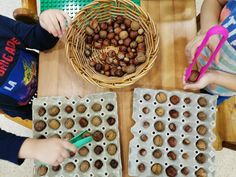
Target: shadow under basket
x=102, y=11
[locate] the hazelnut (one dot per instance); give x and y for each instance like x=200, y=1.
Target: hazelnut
x=96, y=107
x=83, y=122
x=119, y=73
x=117, y=30
x=113, y=70
x=159, y=126
x=145, y=110
x=98, y=149
x=84, y=166
x=119, y=19
x=109, y=60
x=186, y=141
x=161, y=97
x=98, y=67
x=157, y=153
x=194, y=76
x=98, y=164
x=97, y=45
x=141, y=47
x=69, y=123
x=144, y=138
x=130, y=69
x=202, y=130
x=88, y=40
x=110, y=36
x=93, y=24
x=158, y=141
x=171, y=155
x=122, y=48
x=171, y=171
x=141, y=58
x=202, y=116
x=113, y=163
x=68, y=136
x=54, y=124
x=69, y=167
x=42, y=170
x=89, y=31
x=147, y=97
x=185, y=156
x=140, y=31
x=123, y=35
x=111, y=149
x=122, y=26
x=187, y=100
x=202, y=102
x=172, y=141
x=135, y=26
x=56, y=168
x=185, y=171
x=104, y=26
x=174, y=99
x=174, y=114
x=133, y=45
x=120, y=42
x=201, y=158
x=39, y=126
x=96, y=121
x=201, y=145
x=106, y=67
x=103, y=34
x=110, y=135
x=127, y=23
x=97, y=136
x=201, y=173
x=142, y=152
x=160, y=111
x=110, y=107
x=41, y=111
x=81, y=108
x=133, y=34
x=120, y=55
x=107, y=73
x=111, y=121
x=53, y=111
x=83, y=151
x=139, y=39
x=187, y=114
x=96, y=37
x=106, y=42
x=172, y=127
x=127, y=42
x=156, y=169
x=188, y=128
x=141, y=167
x=68, y=109
x=146, y=124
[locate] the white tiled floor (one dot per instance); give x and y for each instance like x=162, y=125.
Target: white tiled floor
x=225, y=160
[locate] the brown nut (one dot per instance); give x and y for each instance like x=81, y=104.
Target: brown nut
x=202, y=116
x=119, y=73
x=156, y=169
x=146, y=124
x=133, y=34
x=161, y=97
x=111, y=149
x=141, y=47
x=147, y=97
x=158, y=141
x=172, y=141
x=133, y=45
x=127, y=23
x=83, y=122
x=93, y=24
x=171, y=155
x=84, y=166
x=41, y=111
x=96, y=121
x=194, y=76
x=110, y=135
x=96, y=37
x=157, y=153
x=202, y=130
x=172, y=127
x=103, y=34
x=83, y=151
x=201, y=145
x=127, y=42
x=69, y=123
x=96, y=107
x=113, y=163
x=174, y=99
x=142, y=152
x=110, y=107
x=111, y=121
x=119, y=19
x=140, y=31
x=56, y=168
x=185, y=156
x=104, y=26
x=97, y=136
x=146, y=110
x=201, y=172
x=174, y=114
x=159, y=126
x=186, y=141
x=188, y=128
x=98, y=67
x=139, y=39
x=53, y=111
x=141, y=167
x=144, y=138
x=187, y=114
x=201, y=158
x=98, y=164
x=81, y=108
x=98, y=149
x=68, y=136
x=171, y=171
x=39, y=126
x=135, y=26
x=69, y=167
x=160, y=111
x=89, y=31
x=185, y=171
x=187, y=100
x=86, y=134
x=117, y=30
x=42, y=170
x=202, y=102
x=68, y=109
x=141, y=57
x=54, y=124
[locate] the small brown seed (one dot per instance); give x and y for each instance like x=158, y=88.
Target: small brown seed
x=188, y=128
x=156, y=169
x=201, y=145
x=146, y=124
x=111, y=121
x=172, y=141
x=160, y=111
x=144, y=138
x=141, y=167
x=84, y=166
x=98, y=149
x=185, y=171
x=110, y=107
x=172, y=155
x=202, y=102
x=171, y=171
x=142, y=152
x=110, y=135
x=97, y=136
x=172, y=127
x=158, y=141
x=187, y=100
x=145, y=110
x=186, y=141
x=187, y=114
x=68, y=109
x=174, y=99
x=81, y=108
x=174, y=114
x=157, y=153
x=113, y=163
x=185, y=156
x=98, y=164
x=202, y=116
x=202, y=130
x=96, y=107
x=147, y=97
x=41, y=111
x=40, y=126
x=83, y=122
x=201, y=158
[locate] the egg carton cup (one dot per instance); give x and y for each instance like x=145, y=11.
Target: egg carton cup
x=137, y=130
x=88, y=101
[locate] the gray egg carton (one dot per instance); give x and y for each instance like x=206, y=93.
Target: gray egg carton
x=88, y=101
x=137, y=130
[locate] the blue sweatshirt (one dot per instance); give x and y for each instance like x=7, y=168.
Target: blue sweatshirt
x=18, y=75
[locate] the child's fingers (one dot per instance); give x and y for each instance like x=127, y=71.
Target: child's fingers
x=60, y=160
x=67, y=17
x=65, y=154
x=62, y=22
x=191, y=87
x=69, y=146
x=55, y=25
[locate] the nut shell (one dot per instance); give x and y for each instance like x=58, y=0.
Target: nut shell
x=96, y=121
x=160, y=111
x=161, y=97
x=54, y=124
x=81, y=108
x=110, y=135
x=112, y=149
x=84, y=166
x=83, y=151
x=41, y=111
x=69, y=123
x=53, y=111
x=157, y=169
x=158, y=141
x=157, y=153
x=69, y=167
x=40, y=125
x=171, y=171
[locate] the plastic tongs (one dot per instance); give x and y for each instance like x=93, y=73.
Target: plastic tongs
x=215, y=30
x=79, y=141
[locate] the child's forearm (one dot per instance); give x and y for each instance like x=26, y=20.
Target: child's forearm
x=26, y=149
x=223, y=79
x=210, y=13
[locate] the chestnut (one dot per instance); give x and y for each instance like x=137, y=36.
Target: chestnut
x=202, y=102
x=174, y=99
x=171, y=155
x=157, y=153
x=81, y=108
x=144, y=138
x=156, y=169
x=69, y=123
x=110, y=107
x=42, y=170
x=69, y=167
x=194, y=76
x=83, y=122
x=185, y=171
x=172, y=127
x=111, y=149
x=53, y=111
x=39, y=126
x=161, y=97
x=41, y=111
x=135, y=26
x=172, y=141
x=113, y=163
x=202, y=130
x=98, y=164
x=98, y=149
x=158, y=141
x=159, y=126
x=201, y=158
x=171, y=171
x=96, y=121
x=54, y=124
x=202, y=116
x=96, y=107
x=174, y=114
x=110, y=135
x=201, y=145
x=141, y=167
x=111, y=121
x=83, y=151
x=68, y=109
x=142, y=152
x=201, y=172
x=84, y=166
x=160, y=111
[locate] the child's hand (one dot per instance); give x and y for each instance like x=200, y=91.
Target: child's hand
x=52, y=151
x=54, y=21
x=192, y=46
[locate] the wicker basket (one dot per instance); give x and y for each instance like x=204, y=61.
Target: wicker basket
x=103, y=10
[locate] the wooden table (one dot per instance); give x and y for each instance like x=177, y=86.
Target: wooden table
x=175, y=21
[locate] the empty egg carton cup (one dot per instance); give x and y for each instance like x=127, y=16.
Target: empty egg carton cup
x=61, y=117
x=173, y=134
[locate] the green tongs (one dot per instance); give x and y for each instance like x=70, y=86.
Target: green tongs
x=79, y=141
